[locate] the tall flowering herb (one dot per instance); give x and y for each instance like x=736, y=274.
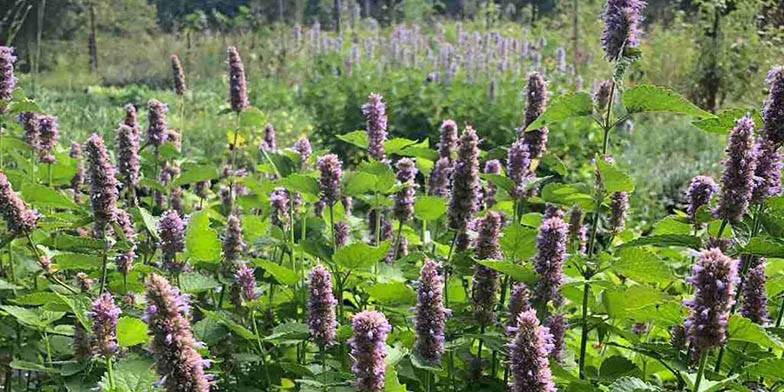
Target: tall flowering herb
x=447, y=143
x=701, y=190
x=773, y=107
x=238, y=92
x=269, y=140
x=103, y=185
x=7, y=78
x=233, y=245
x=518, y=166
x=48, y=137
x=619, y=204
x=19, y=219
x=714, y=277
x=519, y=302
x=622, y=20
x=303, y=148
x=737, y=180
x=528, y=352
x=322, y=322
x=492, y=166
x=331, y=169
x=130, y=118
x=404, y=198
x=171, y=230
x=128, y=162
x=279, y=207
x=29, y=123
x=369, y=333
x=177, y=361
x=157, y=133
x=536, y=101
x=104, y=314
x=767, y=172
x=376, y=117
x=178, y=75
x=431, y=315
x=485, y=280
x=464, y=200
x=755, y=300
x=438, y=182
x=550, y=257
x=244, y=286
x=558, y=325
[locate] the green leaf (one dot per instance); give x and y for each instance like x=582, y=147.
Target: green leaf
x=392, y=293
x=631, y=384
x=149, y=223
x=665, y=240
x=232, y=325
x=25, y=105
x=23, y=315
x=76, y=261
x=201, y=241
x=8, y=286
x=194, y=282
x=620, y=302
x=429, y=208
x=282, y=274
x=300, y=183
x=613, y=178
x=725, y=120
x=649, y=98
x=771, y=369
x=357, y=138
x=131, y=331
x=391, y=382
x=765, y=247
x=671, y=225
x=19, y=364
x=515, y=271
x=45, y=197
x=359, y=183
x=563, y=107
x=616, y=366
x=252, y=117
x=518, y=242
x=132, y=374
x=500, y=181
x=741, y=329
x=385, y=176
x=360, y=256
x=196, y=173
x=642, y=266
x=394, y=146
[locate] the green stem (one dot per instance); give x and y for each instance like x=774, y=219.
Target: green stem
x=261, y=347
x=700, y=372
x=332, y=224
x=104, y=270
x=584, y=322
x=397, y=241
x=110, y=372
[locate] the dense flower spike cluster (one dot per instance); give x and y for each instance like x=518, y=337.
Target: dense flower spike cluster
x=519, y=301
x=342, y=232
x=404, y=198
x=464, y=200
x=48, y=137
x=238, y=92
x=767, y=172
x=29, y=123
x=376, y=117
x=701, y=190
x=550, y=257
x=130, y=118
x=179, y=365
x=322, y=322
x=558, y=325
x=103, y=185
x=7, y=78
x=19, y=219
x=622, y=20
x=128, y=163
x=640, y=329
x=302, y=147
x=773, y=107
x=619, y=204
x=279, y=207
x=737, y=180
x=369, y=333
x=438, y=183
x=485, y=280
x=678, y=336
x=492, y=166
x=157, y=133
x=329, y=184
x=233, y=245
x=178, y=75
x=447, y=144
x=431, y=315
x=171, y=230
x=755, y=301
x=104, y=314
x=244, y=287
x=518, y=166
x=269, y=140
x=528, y=353
x=714, y=276
x=601, y=97
x=536, y=97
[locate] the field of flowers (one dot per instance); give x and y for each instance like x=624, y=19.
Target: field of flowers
x=371, y=262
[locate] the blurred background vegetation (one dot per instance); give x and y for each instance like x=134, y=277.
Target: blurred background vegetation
x=312, y=63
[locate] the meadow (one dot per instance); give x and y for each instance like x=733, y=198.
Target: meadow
x=449, y=206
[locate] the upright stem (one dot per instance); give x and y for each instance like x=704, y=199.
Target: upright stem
x=262, y=352
x=332, y=224
x=584, y=322
x=700, y=372
x=104, y=267
x=397, y=241
x=110, y=372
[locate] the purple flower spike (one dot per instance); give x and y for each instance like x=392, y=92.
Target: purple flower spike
x=178, y=75
x=128, y=162
x=342, y=231
x=536, y=97
x=701, y=190
x=7, y=78
x=550, y=257
x=329, y=184
x=179, y=365
x=244, y=287
x=103, y=185
x=519, y=302
x=464, y=201
x=737, y=180
x=130, y=119
x=518, y=168
x=619, y=204
x=322, y=322
x=558, y=325
x=447, y=144
x=19, y=219
x=755, y=300
x=29, y=123
x=171, y=229
x=370, y=329
x=622, y=20
x=767, y=173
x=601, y=96
x=714, y=277
x=485, y=280
x=279, y=207
x=376, y=116
x=430, y=319
x=438, y=183
x=124, y=260
x=404, y=198
x=157, y=133
x=528, y=353
x=773, y=107
x=269, y=141
x=302, y=147
x=233, y=245
x=104, y=315
x=492, y=166
x=238, y=93
x=48, y=137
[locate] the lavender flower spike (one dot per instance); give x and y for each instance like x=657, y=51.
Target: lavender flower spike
x=329, y=184
x=233, y=245
x=404, y=198
x=322, y=321
x=438, y=182
x=519, y=302
x=767, y=173
x=621, y=26
x=279, y=207
x=128, y=162
x=302, y=147
x=536, y=94
x=103, y=185
x=342, y=232
x=19, y=219
x=700, y=191
x=29, y=123
x=773, y=107
x=714, y=277
x=104, y=315
x=737, y=180
x=178, y=75
x=619, y=204
x=48, y=134
x=755, y=300
x=375, y=114
x=558, y=325
x=157, y=132
x=370, y=329
x=518, y=164
x=171, y=230
x=244, y=287
x=238, y=93
x=269, y=141
x=464, y=201
x=550, y=257
x=601, y=97
x=430, y=319
x=447, y=143
x=7, y=78
x=528, y=353
x=179, y=365
x=485, y=280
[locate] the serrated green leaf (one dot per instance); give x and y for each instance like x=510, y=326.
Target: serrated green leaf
x=649, y=98
x=201, y=241
x=194, y=282
x=620, y=302
x=19, y=364
x=741, y=329
x=725, y=120
x=631, y=384
x=392, y=293
x=359, y=183
x=359, y=256
x=665, y=240
x=149, y=222
x=394, y=146
x=563, y=107
x=613, y=178
x=771, y=369
x=385, y=176
x=500, y=181
x=232, y=325
x=391, y=382
x=429, y=208
x=283, y=275
x=517, y=272
x=300, y=183
x=131, y=331
x=23, y=315
x=357, y=138
x=196, y=173
x=642, y=266
x=252, y=117
x=616, y=366
x=77, y=261
x=45, y=197
x=765, y=247
x=518, y=242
